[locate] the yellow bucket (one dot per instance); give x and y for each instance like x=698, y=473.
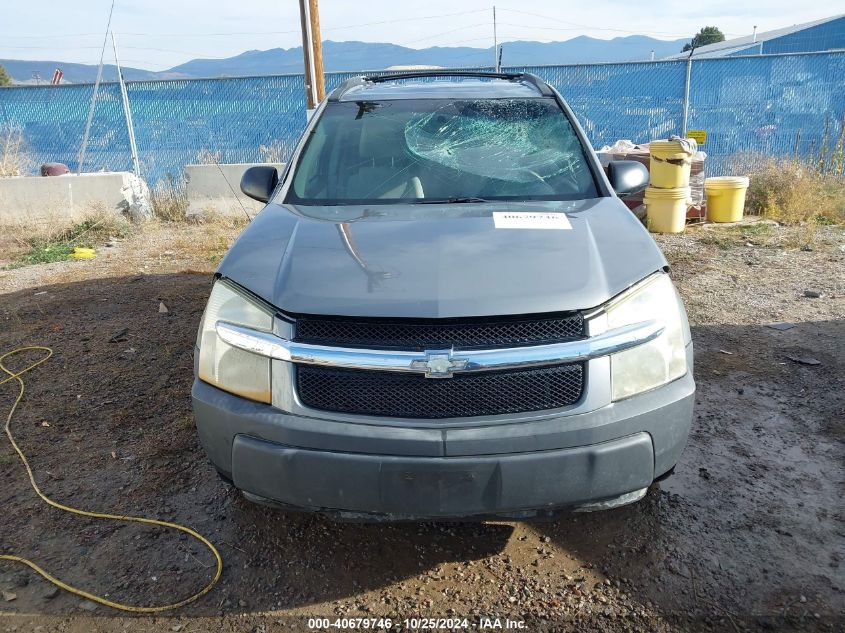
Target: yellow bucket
x=669, y=164
x=725, y=197
x=666, y=209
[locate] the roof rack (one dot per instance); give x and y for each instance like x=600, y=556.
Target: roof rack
x=534, y=80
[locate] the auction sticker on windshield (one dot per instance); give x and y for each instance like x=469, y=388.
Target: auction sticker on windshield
x=529, y=220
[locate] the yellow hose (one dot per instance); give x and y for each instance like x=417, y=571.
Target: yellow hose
x=96, y=515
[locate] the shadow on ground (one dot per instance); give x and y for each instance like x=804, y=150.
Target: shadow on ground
x=749, y=525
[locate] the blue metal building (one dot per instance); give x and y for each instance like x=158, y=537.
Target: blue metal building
x=827, y=34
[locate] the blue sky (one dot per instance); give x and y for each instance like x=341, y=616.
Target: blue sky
x=159, y=34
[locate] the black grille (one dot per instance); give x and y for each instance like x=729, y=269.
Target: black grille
x=420, y=335
x=415, y=396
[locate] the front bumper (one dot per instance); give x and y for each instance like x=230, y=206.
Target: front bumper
x=397, y=471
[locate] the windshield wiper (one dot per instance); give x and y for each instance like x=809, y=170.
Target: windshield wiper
x=456, y=200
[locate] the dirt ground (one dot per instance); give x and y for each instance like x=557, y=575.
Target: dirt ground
x=747, y=535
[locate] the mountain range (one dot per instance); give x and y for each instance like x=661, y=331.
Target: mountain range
x=360, y=56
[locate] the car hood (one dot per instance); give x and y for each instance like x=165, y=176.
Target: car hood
x=431, y=260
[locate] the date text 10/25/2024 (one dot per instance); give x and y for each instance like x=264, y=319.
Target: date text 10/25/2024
x=417, y=624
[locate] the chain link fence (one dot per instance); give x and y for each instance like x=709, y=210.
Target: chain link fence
x=768, y=105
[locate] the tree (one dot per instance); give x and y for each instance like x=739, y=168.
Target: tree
x=5, y=80
x=707, y=35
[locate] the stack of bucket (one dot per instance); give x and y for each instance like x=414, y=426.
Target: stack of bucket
x=668, y=196
x=725, y=197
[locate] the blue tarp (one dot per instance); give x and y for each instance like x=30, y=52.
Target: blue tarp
x=746, y=104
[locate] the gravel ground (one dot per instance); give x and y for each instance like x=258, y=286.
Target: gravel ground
x=747, y=535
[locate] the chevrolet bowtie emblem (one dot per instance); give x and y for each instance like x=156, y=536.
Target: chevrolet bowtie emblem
x=439, y=364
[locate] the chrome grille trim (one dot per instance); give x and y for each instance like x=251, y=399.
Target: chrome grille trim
x=269, y=345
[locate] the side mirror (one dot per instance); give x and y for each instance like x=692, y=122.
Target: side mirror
x=259, y=182
x=627, y=176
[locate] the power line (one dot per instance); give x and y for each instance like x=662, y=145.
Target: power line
x=170, y=50
x=51, y=47
x=436, y=35
x=296, y=31
x=593, y=28
x=427, y=17
x=50, y=36
x=334, y=28
x=421, y=39
x=403, y=44
x=578, y=28
x=206, y=55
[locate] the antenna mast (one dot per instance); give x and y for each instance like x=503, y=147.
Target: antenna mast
x=496, y=59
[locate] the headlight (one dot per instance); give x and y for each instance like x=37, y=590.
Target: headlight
x=659, y=361
x=229, y=368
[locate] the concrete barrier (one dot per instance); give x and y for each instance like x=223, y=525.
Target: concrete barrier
x=216, y=189
x=72, y=197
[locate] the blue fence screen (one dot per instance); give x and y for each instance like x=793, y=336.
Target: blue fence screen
x=771, y=104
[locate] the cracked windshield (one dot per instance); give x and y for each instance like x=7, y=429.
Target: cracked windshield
x=442, y=150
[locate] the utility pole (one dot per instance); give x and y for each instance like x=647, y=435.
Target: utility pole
x=496, y=59
x=317, y=50
x=312, y=52
x=133, y=148
x=310, y=93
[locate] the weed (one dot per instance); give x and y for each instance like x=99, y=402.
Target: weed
x=800, y=236
x=185, y=422
x=761, y=233
x=53, y=245
x=208, y=240
x=824, y=151
x=717, y=238
x=45, y=253
x=275, y=152
x=794, y=192
x=169, y=200
x=837, y=158
x=208, y=157
x=14, y=161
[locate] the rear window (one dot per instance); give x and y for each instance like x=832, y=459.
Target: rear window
x=372, y=152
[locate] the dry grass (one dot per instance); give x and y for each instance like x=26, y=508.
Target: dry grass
x=752, y=273
x=753, y=233
x=208, y=240
x=831, y=158
x=792, y=192
x=759, y=232
x=26, y=243
x=170, y=204
x=169, y=200
x=14, y=160
x=275, y=152
x=208, y=157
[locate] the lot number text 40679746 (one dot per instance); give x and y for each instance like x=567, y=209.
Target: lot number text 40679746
x=416, y=624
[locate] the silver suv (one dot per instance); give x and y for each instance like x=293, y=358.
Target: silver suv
x=444, y=311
